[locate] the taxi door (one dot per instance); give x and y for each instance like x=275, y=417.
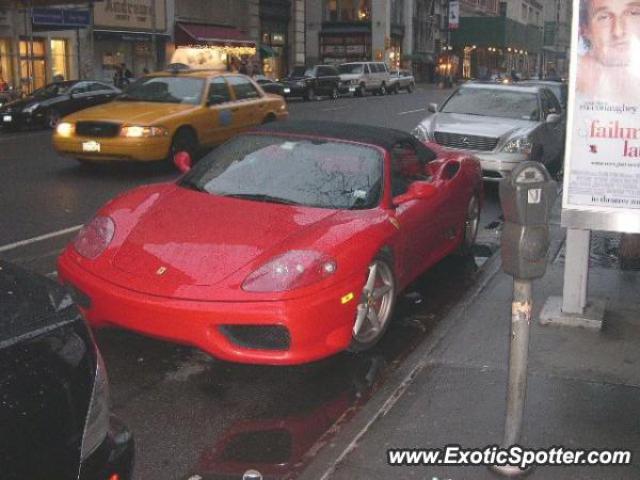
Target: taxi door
x=249, y=108
x=220, y=116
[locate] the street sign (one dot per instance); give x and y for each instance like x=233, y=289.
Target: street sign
x=59, y=17
x=602, y=165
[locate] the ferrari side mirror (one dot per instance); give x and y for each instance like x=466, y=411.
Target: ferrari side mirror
x=183, y=161
x=416, y=191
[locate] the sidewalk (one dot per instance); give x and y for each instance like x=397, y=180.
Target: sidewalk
x=583, y=386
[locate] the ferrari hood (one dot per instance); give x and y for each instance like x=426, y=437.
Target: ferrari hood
x=196, y=239
x=143, y=113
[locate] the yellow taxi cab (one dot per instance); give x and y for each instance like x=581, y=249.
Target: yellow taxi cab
x=167, y=112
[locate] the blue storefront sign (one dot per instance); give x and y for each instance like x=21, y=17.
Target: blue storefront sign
x=60, y=18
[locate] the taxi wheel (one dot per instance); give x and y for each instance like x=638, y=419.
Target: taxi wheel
x=184, y=140
x=375, y=308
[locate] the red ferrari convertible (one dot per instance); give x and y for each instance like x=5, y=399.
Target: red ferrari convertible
x=285, y=245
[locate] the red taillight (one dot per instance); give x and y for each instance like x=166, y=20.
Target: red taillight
x=294, y=269
x=95, y=237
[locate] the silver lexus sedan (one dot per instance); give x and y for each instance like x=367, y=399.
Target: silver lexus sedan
x=502, y=125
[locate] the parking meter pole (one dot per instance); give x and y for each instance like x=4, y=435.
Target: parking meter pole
x=526, y=198
x=518, y=356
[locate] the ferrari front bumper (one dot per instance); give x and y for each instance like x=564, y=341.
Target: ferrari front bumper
x=317, y=326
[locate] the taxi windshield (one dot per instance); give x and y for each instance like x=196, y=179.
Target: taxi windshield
x=293, y=171
x=165, y=90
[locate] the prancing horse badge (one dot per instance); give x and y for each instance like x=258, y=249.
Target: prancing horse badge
x=161, y=271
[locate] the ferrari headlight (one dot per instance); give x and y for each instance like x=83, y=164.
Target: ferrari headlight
x=518, y=145
x=421, y=133
x=291, y=270
x=65, y=129
x=30, y=108
x=95, y=237
x=137, y=131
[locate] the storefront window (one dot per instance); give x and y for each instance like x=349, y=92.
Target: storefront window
x=32, y=65
x=6, y=73
x=59, y=59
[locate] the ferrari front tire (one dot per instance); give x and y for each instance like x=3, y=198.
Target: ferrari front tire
x=375, y=308
x=470, y=226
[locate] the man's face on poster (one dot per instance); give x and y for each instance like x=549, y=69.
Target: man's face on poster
x=613, y=29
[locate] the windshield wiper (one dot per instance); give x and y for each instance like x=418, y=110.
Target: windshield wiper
x=260, y=197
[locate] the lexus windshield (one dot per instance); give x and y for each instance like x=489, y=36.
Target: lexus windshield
x=294, y=171
x=165, y=90
x=494, y=102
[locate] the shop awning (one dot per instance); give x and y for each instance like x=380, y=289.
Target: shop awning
x=198, y=34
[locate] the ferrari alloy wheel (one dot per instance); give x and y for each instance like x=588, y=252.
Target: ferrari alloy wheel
x=375, y=309
x=470, y=227
x=53, y=118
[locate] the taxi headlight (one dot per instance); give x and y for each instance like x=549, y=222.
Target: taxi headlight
x=136, y=131
x=65, y=129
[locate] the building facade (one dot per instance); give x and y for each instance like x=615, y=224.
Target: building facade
x=499, y=37
x=557, y=37
x=339, y=31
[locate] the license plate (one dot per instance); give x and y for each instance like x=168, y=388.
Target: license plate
x=7, y=118
x=352, y=89
x=287, y=90
x=91, y=146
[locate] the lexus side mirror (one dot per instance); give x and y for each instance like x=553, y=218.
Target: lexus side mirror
x=433, y=107
x=416, y=191
x=553, y=118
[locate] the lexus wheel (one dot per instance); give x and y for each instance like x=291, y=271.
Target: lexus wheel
x=334, y=93
x=375, y=308
x=383, y=89
x=410, y=88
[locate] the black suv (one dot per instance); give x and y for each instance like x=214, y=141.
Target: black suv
x=54, y=395
x=312, y=82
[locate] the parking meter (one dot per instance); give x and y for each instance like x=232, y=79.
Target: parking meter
x=526, y=197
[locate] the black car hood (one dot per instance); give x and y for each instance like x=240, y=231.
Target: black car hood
x=47, y=371
x=28, y=303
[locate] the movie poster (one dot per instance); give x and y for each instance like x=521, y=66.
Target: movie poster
x=602, y=166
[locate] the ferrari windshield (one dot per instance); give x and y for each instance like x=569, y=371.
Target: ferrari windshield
x=493, y=102
x=165, y=90
x=296, y=171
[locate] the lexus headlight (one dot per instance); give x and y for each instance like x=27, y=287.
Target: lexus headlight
x=421, y=133
x=31, y=108
x=518, y=145
x=136, y=131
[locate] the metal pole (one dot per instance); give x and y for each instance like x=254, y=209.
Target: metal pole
x=78, y=53
x=518, y=357
x=576, y=272
x=31, y=60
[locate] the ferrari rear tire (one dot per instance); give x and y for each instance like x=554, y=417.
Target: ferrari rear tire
x=376, y=304
x=470, y=227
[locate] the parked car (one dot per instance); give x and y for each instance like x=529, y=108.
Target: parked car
x=167, y=112
x=285, y=245
x=269, y=85
x=502, y=125
x=45, y=107
x=401, y=80
x=54, y=413
x=366, y=77
x=559, y=89
x=8, y=95
x=311, y=83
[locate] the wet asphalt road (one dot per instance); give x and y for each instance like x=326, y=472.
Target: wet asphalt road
x=191, y=414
